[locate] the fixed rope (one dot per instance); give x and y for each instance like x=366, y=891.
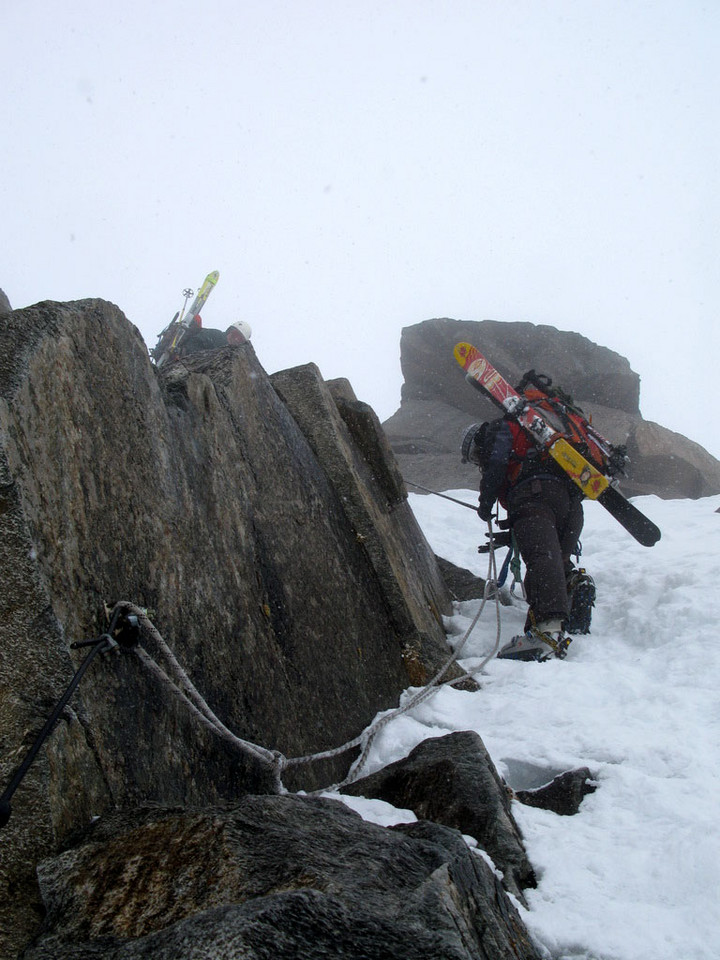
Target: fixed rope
x=369, y=735
x=179, y=685
x=128, y=621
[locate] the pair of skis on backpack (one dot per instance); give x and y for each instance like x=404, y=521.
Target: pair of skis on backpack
x=594, y=483
x=171, y=338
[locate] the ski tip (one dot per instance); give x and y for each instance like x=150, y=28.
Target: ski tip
x=463, y=353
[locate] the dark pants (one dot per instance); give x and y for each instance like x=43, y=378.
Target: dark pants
x=547, y=518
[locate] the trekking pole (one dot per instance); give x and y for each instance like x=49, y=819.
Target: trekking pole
x=187, y=293
x=101, y=644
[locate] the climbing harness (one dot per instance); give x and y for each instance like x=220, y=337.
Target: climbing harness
x=511, y=563
x=516, y=569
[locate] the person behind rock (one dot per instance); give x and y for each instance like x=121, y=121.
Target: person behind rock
x=199, y=338
x=238, y=333
x=545, y=515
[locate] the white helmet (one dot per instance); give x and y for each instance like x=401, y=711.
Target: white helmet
x=238, y=332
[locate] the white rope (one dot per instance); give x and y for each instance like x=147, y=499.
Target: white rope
x=188, y=692
x=182, y=687
x=368, y=736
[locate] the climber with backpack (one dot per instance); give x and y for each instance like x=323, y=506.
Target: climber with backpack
x=545, y=515
x=199, y=338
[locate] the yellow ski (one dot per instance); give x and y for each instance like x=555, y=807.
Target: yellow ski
x=171, y=337
x=590, y=480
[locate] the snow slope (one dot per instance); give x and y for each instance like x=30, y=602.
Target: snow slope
x=636, y=874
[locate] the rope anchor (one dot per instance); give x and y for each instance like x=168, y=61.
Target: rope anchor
x=120, y=633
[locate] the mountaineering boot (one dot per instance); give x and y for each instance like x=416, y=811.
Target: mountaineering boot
x=539, y=643
x=526, y=646
x=581, y=593
x=554, y=635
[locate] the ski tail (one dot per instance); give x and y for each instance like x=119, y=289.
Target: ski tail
x=628, y=516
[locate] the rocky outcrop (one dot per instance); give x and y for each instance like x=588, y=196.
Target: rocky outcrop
x=563, y=795
x=4, y=303
x=437, y=405
x=349, y=442
x=463, y=584
x=452, y=780
x=264, y=536
x=274, y=877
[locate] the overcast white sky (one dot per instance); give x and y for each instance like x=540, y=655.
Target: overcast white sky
x=353, y=167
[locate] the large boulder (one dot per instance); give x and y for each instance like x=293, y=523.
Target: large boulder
x=563, y=795
x=348, y=441
x=452, y=780
x=273, y=877
x=437, y=405
x=268, y=562
x=4, y=303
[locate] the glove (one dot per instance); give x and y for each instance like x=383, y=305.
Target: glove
x=485, y=510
